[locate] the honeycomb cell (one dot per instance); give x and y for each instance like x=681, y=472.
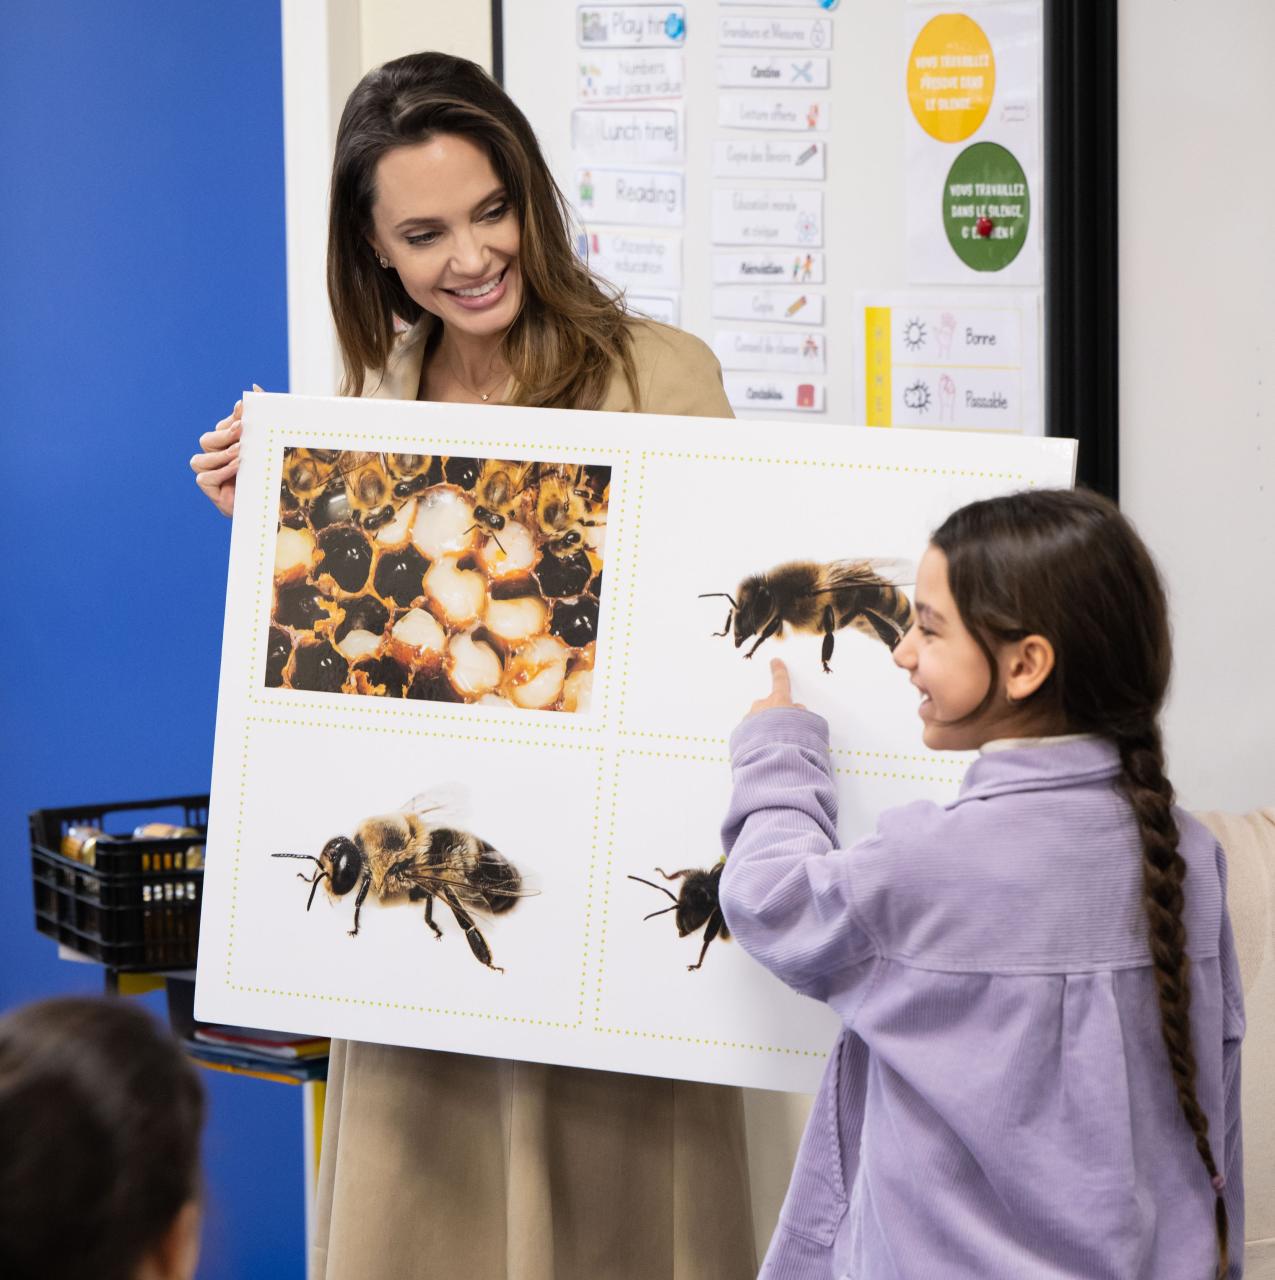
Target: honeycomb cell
x=399, y=575
x=364, y=613
x=278, y=651
x=317, y=666
x=563, y=575
x=576, y=621
x=346, y=554
x=379, y=677
x=299, y=605
x=462, y=472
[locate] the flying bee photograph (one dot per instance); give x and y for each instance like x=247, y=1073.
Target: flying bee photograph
x=821, y=599
x=824, y=581
x=440, y=578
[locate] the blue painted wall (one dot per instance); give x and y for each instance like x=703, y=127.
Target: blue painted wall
x=142, y=285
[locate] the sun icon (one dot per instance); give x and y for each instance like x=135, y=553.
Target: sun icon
x=917, y=396
x=914, y=334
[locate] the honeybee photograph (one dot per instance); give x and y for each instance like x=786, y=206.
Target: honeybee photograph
x=438, y=577
x=824, y=581
x=462, y=895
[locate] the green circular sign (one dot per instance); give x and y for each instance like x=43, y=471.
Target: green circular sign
x=986, y=207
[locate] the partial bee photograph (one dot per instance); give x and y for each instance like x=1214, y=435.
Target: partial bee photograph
x=669, y=965
x=438, y=578
x=412, y=882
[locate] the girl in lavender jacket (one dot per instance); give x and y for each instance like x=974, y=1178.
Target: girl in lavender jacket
x=1009, y=968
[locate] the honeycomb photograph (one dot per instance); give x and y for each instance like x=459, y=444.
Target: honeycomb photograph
x=447, y=579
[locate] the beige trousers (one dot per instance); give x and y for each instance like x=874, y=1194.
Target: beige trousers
x=441, y=1164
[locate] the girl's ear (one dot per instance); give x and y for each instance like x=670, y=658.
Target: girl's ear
x=1027, y=664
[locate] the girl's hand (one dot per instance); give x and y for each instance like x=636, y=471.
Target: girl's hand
x=216, y=467
x=780, y=691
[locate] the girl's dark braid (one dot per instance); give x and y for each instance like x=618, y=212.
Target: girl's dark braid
x=1163, y=871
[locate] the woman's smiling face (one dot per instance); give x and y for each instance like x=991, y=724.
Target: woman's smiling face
x=443, y=219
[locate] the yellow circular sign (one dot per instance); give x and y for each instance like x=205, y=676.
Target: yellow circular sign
x=951, y=76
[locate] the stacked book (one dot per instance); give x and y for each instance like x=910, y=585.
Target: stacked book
x=276, y=1055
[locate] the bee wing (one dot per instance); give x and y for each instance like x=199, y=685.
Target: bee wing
x=470, y=896
x=446, y=805
x=869, y=572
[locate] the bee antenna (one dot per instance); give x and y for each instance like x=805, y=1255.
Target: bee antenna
x=309, y=856
x=713, y=595
x=662, y=912
x=661, y=888
x=314, y=888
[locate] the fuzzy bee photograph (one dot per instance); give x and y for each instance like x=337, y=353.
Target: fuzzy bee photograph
x=417, y=855
x=417, y=873
x=442, y=578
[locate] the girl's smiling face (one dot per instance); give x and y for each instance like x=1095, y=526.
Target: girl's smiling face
x=953, y=675
x=443, y=219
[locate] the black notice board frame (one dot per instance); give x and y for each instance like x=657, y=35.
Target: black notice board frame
x=1082, y=338
x=1082, y=313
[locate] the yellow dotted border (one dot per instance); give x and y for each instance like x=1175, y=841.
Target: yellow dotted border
x=638, y=504
x=963, y=472
x=937, y=759
x=393, y=1004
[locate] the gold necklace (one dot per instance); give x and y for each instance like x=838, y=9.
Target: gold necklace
x=484, y=396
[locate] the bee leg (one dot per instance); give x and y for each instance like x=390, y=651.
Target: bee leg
x=429, y=917
x=829, y=626
x=710, y=932
x=769, y=630
x=477, y=943
x=889, y=635
x=358, y=903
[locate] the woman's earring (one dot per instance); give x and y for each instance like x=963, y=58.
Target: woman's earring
x=384, y=261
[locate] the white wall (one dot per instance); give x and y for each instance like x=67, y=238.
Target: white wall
x=1197, y=370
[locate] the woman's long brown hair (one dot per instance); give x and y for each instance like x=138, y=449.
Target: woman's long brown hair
x=1068, y=566
x=570, y=335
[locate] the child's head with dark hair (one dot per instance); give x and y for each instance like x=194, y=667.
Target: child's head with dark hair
x=100, y=1117
x=1067, y=566
x=1042, y=613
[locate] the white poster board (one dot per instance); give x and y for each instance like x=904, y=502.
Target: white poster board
x=627, y=772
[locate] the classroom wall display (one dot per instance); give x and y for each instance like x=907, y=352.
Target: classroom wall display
x=488, y=835
x=956, y=359
x=974, y=133
x=777, y=142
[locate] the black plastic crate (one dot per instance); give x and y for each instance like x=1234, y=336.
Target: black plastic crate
x=136, y=905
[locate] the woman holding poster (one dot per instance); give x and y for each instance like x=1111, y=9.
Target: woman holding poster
x=444, y=217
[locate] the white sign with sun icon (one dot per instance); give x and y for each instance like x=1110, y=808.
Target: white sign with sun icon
x=960, y=360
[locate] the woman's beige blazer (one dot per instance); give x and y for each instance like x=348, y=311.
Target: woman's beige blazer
x=439, y=1164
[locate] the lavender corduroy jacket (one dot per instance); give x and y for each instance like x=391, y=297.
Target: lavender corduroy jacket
x=999, y=1105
